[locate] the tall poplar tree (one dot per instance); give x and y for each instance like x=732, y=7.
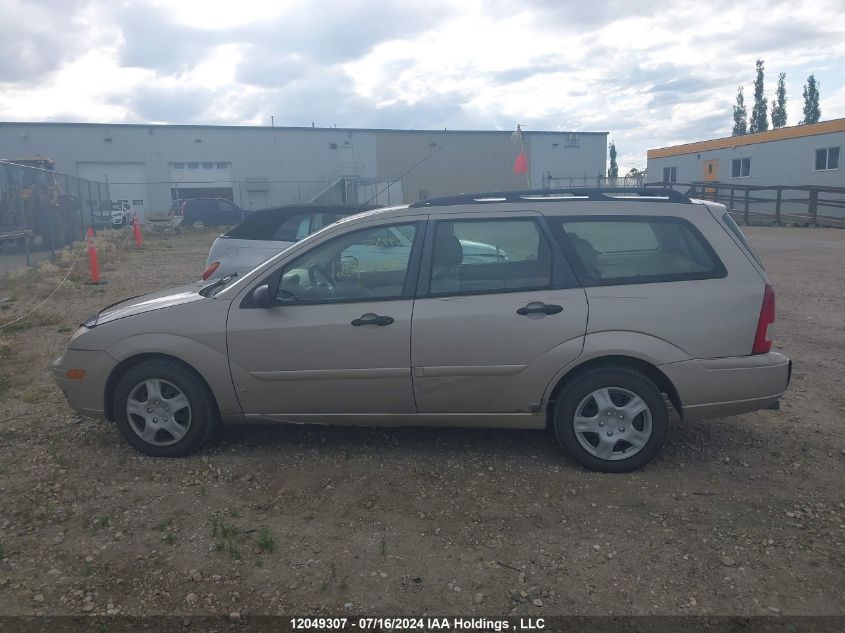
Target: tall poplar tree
x=812, y=112
x=613, y=171
x=759, y=121
x=779, y=104
x=740, y=114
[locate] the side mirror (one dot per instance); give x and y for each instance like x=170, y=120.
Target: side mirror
x=261, y=296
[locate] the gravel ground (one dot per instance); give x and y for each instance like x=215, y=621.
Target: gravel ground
x=742, y=515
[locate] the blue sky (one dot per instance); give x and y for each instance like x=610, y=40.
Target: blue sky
x=652, y=73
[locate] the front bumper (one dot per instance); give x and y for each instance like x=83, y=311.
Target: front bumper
x=719, y=387
x=87, y=394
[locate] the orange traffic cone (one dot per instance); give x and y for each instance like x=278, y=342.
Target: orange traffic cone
x=136, y=229
x=92, y=259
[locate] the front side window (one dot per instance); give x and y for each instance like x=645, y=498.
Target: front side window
x=368, y=264
x=827, y=158
x=620, y=250
x=740, y=167
x=483, y=256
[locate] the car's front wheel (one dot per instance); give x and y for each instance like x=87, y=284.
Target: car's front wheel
x=613, y=419
x=198, y=224
x=163, y=409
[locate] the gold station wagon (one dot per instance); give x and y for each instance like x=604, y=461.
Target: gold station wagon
x=590, y=311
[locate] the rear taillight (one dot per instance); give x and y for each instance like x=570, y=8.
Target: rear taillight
x=763, y=338
x=209, y=270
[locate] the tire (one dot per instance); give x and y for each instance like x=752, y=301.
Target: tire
x=600, y=426
x=198, y=224
x=179, y=428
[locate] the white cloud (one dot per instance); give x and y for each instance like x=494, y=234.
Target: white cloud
x=651, y=74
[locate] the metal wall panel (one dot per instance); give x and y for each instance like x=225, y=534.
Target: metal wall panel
x=784, y=162
x=300, y=163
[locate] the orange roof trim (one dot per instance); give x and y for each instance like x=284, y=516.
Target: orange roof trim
x=794, y=131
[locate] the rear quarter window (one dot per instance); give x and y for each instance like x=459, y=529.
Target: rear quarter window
x=610, y=250
x=734, y=228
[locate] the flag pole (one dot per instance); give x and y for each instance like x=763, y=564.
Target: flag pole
x=522, y=144
x=521, y=163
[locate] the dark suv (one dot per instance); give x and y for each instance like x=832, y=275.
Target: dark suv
x=202, y=212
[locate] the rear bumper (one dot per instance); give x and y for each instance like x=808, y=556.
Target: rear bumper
x=718, y=387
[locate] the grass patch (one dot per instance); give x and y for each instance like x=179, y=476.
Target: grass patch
x=164, y=524
x=228, y=537
x=266, y=541
x=32, y=321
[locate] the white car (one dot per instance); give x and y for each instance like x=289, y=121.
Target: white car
x=268, y=232
x=121, y=214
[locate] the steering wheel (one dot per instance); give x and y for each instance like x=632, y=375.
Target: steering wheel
x=316, y=270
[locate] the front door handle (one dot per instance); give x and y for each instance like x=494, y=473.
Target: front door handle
x=372, y=319
x=539, y=308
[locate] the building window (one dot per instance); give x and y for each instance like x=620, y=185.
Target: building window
x=138, y=203
x=193, y=165
x=740, y=167
x=827, y=158
x=178, y=165
x=670, y=174
x=208, y=165
x=222, y=165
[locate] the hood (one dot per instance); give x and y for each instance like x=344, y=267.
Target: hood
x=146, y=303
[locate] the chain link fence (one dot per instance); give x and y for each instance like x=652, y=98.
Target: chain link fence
x=42, y=209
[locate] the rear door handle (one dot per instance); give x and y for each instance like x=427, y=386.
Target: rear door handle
x=372, y=319
x=540, y=308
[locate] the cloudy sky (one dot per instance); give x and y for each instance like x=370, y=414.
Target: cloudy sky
x=651, y=73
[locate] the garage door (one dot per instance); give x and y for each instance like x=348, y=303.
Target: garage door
x=127, y=181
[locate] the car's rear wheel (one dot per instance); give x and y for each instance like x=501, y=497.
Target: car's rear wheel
x=163, y=409
x=612, y=420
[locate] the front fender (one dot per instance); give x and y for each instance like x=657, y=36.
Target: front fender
x=207, y=358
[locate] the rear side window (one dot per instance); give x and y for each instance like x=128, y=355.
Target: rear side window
x=628, y=250
x=272, y=225
x=258, y=226
x=293, y=228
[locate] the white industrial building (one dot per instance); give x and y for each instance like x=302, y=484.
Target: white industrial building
x=152, y=165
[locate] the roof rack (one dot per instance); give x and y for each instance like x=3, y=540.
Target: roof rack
x=605, y=194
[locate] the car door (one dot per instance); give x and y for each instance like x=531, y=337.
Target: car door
x=337, y=338
x=498, y=314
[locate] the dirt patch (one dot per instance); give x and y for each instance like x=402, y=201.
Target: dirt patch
x=738, y=515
